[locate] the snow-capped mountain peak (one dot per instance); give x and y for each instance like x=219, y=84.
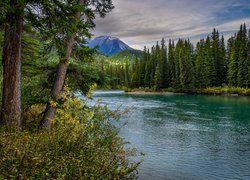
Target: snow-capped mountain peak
x=108, y=45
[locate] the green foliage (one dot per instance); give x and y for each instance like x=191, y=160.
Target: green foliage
x=171, y=64
x=125, y=56
x=184, y=57
x=183, y=67
x=1, y=40
x=82, y=75
x=38, y=74
x=238, y=70
x=83, y=144
x=57, y=20
x=225, y=91
x=33, y=71
x=200, y=66
x=233, y=63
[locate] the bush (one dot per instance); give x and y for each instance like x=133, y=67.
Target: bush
x=226, y=91
x=83, y=144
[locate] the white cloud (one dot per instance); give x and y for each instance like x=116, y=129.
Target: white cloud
x=142, y=22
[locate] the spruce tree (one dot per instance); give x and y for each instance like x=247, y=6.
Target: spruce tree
x=178, y=53
x=238, y=59
x=146, y=58
x=136, y=74
x=171, y=63
x=242, y=75
x=200, y=65
x=215, y=64
x=158, y=71
x=248, y=60
x=164, y=67
x=233, y=61
x=12, y=15
x=209, y=61
x=185, y=63
x=126, y=75
x=224, y=62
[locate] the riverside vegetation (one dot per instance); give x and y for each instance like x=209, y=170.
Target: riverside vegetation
x=47, y=132
x=82, y=144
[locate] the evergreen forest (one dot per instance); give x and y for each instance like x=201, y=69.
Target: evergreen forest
x=212, y=62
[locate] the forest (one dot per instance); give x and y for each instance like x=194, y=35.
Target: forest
x=46, y=131
x=180, y=65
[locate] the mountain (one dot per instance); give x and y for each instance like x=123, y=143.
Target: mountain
x=108, y=45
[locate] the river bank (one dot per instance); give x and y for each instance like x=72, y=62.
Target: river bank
x=214, y=91
x=153, y=93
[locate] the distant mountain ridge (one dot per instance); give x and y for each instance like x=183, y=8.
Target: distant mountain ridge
x=108, y=45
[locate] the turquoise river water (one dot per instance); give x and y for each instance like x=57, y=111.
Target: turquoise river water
x=186, y=137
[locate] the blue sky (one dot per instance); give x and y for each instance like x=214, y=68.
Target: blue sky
x=143, y=22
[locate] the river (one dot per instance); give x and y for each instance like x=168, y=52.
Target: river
x=186, y=137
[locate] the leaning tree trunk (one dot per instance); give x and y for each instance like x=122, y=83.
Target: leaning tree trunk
x=11, y=97
x=58, y=86
x=60, y=78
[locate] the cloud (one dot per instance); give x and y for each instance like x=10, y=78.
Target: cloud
x=142, y=22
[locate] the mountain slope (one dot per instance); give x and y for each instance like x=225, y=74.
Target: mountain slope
x=125, y=55
x=108, y=45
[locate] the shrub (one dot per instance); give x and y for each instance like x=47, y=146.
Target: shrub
x=83, y=144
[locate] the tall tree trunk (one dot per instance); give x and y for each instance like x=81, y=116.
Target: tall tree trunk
x=60, y=79
x=11, y=97
x=58, y=86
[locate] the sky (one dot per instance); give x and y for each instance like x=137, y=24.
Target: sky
x=141, y=23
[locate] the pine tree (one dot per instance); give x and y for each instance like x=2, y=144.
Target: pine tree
x=178, y=53
x=147, y=67
x=242, y=75
x=185, y=63
x=224, y=62
x=73, y=25
x=164, y=67
x=156, y=78
x=210, y=66
x=158, y=71
x=248, y=60
x=126, y=76
x=12, y=14
x=233, y=61
x=215, y=65
x=171, y=63
x=153, y=65
x=238, y=59
x=136, y=74
x=200, y=65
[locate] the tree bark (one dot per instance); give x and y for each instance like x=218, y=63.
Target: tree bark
x=11, y=60
x=50, y=111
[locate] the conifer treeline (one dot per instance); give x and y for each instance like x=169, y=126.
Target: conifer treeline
x=210, y=64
